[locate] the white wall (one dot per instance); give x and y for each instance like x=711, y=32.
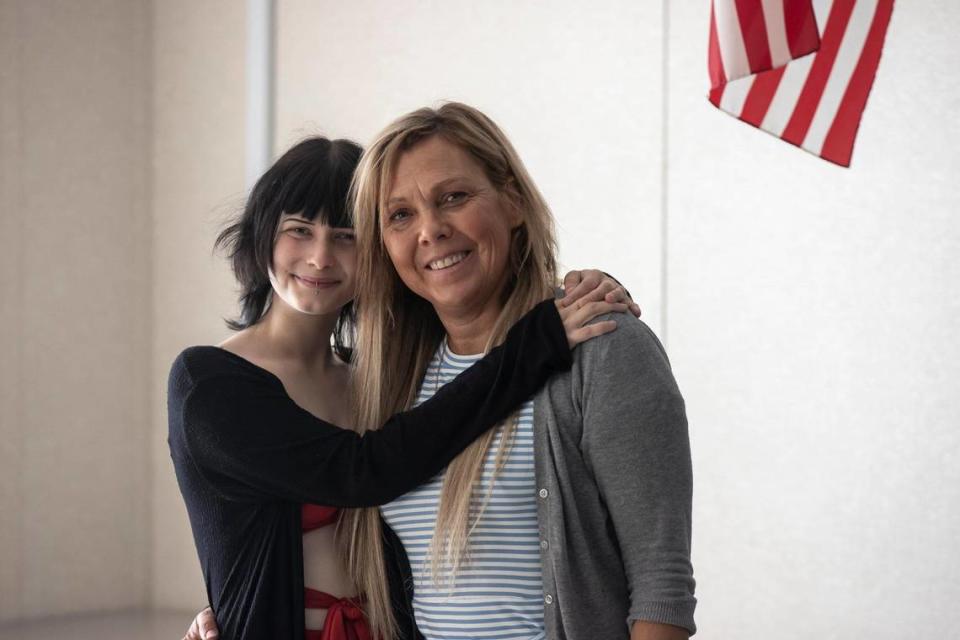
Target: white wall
x=75, y=266
x=810, y=310
x=813, y=324
x=121, y=154
x=198, y=168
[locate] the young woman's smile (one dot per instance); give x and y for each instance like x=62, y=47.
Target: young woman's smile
x=317, y=283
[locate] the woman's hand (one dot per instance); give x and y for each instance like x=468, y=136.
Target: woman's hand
x=590, y=284
x=576, y=317
x=204, y=627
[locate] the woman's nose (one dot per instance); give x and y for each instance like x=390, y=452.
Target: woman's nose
x=321, y=253
x=433, y=226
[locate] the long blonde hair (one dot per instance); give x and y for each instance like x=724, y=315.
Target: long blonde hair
x=398, y=332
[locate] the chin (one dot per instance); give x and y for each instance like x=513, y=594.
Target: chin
x=315, y=306
x=454, y=299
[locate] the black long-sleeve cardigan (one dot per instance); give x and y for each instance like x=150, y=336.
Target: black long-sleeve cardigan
x=246, y=458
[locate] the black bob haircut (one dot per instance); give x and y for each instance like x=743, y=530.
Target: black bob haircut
x=311, y=179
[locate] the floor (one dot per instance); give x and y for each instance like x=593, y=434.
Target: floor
x=142, y=625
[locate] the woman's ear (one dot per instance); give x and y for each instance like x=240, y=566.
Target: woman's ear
x=514, y=204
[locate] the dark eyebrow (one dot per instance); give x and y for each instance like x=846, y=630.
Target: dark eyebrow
x=437, y=187
x=296, y=219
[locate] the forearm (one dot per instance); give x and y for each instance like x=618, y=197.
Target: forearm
x=643, y=630
x=482, y=396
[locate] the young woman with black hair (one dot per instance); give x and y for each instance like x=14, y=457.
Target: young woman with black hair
x=253, y=432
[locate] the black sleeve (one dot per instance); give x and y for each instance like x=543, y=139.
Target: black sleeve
x=399, y=583
x=253, y=443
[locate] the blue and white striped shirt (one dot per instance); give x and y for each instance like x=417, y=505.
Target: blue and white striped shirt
x=498, y=594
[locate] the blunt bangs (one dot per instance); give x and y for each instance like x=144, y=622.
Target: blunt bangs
x=315, y=181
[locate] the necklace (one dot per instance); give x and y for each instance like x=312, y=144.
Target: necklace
x=436, y=374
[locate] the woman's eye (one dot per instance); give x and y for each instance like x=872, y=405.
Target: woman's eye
x=302, y=232
x=344, y=236
x=398, y=215
x=453, y=197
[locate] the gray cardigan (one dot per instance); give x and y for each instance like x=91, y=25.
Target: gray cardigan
x=614, y=477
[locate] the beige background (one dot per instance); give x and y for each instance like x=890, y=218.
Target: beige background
x=77, y=318
x=198, y=182
x=122, y=152
x=810, y=312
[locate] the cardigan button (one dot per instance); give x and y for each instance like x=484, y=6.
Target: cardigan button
x=548, y=599
x=543, y=493
x=544, y=544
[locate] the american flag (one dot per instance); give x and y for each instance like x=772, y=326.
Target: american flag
x=771, y=67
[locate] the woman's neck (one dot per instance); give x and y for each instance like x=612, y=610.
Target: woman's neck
x=297, y=337
x=469, y=332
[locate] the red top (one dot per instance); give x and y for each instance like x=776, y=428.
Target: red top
x=345, y=619
x=314, y=516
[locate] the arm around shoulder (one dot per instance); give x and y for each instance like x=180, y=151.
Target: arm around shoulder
x=248, y=439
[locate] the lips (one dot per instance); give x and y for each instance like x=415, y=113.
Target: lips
x=447, y=261
x=316, y=282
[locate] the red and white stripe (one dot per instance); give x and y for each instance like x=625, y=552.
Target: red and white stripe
x=771, y=67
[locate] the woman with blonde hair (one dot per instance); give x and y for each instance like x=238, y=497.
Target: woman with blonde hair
x=261, y=462
x=571, y=519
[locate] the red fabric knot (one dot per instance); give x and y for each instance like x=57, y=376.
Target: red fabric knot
x=345, y=619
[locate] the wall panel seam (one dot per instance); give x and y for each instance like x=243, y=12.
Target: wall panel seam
x=260, y=91
x=149, y=381
x=664, y=177
x=19, y=301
